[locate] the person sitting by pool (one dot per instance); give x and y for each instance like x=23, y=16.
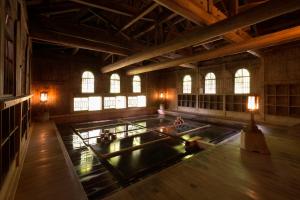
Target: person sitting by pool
x=178, y=122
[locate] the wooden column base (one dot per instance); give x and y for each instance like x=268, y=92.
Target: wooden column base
x=253, y=140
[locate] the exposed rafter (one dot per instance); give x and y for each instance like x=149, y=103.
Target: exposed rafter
x=104, y=6
x=263, y=12
x=203, y=12
x=152, y=27
x=139, y=16
x=272, y=39
x=69, y=41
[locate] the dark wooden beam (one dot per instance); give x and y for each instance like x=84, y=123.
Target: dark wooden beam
x=69, y=41
x=203, y=12
x=263, y=12
x=139, y=16
x=103, y=5
x=152, y=27
x=272, y=39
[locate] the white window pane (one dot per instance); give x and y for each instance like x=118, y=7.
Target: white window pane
x=242, y=81
x=210, y=83
x=136, y=84
x=120, y=102
x=87, y=84
x=115, y=83
x=141, y=101
x=81, y=104
x=109, y=102
x=187, y=84
x=94, y=103
x=132, y=102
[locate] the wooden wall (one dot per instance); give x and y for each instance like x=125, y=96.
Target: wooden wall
x=14, y=92
x=279, y=65
x=60, y=75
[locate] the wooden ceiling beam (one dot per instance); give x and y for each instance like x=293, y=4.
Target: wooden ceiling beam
x=203, y=12
x=248, y=6
x=263, y=12
x=107, y=7
x=272, y=39
x=152, y=27
x=68, y=41
x=139, y=16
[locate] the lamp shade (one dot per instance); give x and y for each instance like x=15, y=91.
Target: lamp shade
x=44, y=97
x=161, y=95
x=252, y=103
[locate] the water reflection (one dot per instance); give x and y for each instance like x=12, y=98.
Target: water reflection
x=77, y=142
x=86, y=162
x=115, y=146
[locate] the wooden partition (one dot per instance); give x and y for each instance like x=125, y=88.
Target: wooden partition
x=282, y=99
x=14, y=125
x=235, y=103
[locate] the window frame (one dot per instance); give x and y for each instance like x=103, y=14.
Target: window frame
x=87, y=82
x=242, y=81
x=187, y=84
x=210, y=86
x=136, y=84
x=115, y=83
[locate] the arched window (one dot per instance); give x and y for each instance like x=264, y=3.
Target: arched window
x=242, y=81
x=87, y=84
x=187, y=84
x=115, y=83
x=136, y=84
x=210, y=83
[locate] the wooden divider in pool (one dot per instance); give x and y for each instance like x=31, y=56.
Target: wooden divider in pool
x=129, y=149
x=195, y=129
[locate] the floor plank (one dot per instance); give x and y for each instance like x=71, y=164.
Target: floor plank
x=226, y=172
x=45, y=174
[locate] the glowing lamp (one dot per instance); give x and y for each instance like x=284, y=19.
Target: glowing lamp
x=44, y=97
x=161, y=95
x=253, y=104
x=252, y=138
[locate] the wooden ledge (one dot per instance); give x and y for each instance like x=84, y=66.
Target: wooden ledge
x=11, y=101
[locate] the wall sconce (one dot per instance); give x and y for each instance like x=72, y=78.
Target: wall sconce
x=162, y=96
x=252, y=139
x=44, y=97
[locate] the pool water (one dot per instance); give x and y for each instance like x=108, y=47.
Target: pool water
x=141, y=145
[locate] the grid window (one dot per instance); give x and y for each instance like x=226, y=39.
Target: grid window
x=115, y=83
x=120, y=102
x=137, y=101
x=141, y=101
x=81, y=104
x=87, y=103
x=95, y=103
x=136, y=84
x=87, y=85
x=187, y=84
x=132, y=102
x=210, y=83
x=242, y=81
x=109, y=102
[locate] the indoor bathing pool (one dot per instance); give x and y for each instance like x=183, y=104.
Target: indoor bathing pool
x=109, y=155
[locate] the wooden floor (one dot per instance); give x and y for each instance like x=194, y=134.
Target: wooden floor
x=224, y=172
x=45, y=174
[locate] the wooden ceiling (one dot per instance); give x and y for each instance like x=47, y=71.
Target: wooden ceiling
x=121, y=29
